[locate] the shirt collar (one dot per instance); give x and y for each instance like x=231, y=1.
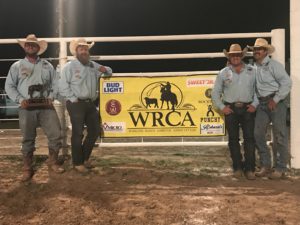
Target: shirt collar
x=232, y=68
x=37, y=60
x=265, y=61
x=89, y=63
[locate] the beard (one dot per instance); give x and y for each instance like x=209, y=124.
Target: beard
x=31, y=54
x=83, y=58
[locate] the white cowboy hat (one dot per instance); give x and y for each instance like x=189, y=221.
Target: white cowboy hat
x=80, y=42
x=261, y=42
x=31, y=38
x=235, y=49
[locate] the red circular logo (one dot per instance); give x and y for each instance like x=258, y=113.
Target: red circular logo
x=113, y=107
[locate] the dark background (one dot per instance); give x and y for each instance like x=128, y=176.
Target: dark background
x=102, y=18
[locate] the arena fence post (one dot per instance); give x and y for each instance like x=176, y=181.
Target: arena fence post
x=295, y=75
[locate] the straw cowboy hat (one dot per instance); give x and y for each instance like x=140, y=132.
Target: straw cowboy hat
x=31, y=38
x=261, y=42
x=80, y=42
x=235, y=49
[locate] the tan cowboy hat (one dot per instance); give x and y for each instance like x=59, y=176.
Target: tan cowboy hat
x=80, y=42
x=234, y=49
x=31, y=38
x=261, y=42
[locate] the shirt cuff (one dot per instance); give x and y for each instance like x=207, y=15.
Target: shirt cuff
x=254, y=104
x=276, y=99
x=222, y=107
x=73, y=99
x=20, y=100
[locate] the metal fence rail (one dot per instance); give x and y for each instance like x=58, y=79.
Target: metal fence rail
x=277, y=39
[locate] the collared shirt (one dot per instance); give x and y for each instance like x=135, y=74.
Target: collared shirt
x=78, y=81
x=271, y=78
x=23, y=74
x=234, y=87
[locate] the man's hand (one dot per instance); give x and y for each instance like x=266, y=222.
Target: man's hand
x=251, y=109
x=50, y=102
x=272, y=105
x=227, y=110
x=24, y=104
x=102, y=69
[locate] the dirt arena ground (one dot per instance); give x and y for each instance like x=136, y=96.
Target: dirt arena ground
x=166, y=185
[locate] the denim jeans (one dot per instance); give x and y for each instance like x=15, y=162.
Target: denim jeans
x=83, y=113
x=47, y=119
x=241, y=118
x=280, y=136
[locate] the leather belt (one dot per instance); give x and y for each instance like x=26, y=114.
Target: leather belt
x=237, y=104
x=85, y=100
x=266, y=98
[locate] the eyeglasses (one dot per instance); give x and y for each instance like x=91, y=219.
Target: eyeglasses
x=259, y=49
x=235, y=55
x=31, y=45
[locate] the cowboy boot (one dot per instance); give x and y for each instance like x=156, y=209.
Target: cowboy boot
x=27, y=167
x=53, y=162
x=264, y=172
x=81, y=169
x=88, y=164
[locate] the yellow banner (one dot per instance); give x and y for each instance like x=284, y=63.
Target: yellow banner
x=159, y=106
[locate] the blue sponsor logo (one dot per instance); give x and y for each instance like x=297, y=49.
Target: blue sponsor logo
x=113, y=87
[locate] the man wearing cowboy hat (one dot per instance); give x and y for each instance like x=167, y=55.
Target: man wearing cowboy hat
x=273, y=84
x=79, y=84
x=32, y=70
x=234, y=95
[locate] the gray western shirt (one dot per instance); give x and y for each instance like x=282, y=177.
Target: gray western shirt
x=22, y=74
x=271, y=78
x=233, y=87
x=78, y=81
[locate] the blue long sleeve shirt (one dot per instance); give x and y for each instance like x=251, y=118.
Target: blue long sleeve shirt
x=22, y=74
x=234, y=87
x=78, y=81
x=271, y=78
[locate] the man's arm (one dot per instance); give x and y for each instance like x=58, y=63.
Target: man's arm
x=217, y=92
x=53, y=83
x=64, y=84
x=11, y=84
x=284, y=81
x=104, y=71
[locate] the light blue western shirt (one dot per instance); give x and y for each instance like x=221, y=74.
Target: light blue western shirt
x=23, y=74
x=231, y=87
x=78, y=81
x=271, y=78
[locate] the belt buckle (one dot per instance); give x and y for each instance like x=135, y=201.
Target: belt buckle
x=238, y=104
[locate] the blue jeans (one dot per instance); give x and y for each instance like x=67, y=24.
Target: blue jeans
x=280, y=135
x=47, y=119
x=233, y=121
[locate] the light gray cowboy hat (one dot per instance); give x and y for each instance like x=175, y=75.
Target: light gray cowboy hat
x=79, y=42
x=234, y=49
x=31, y=38
x=261, y=42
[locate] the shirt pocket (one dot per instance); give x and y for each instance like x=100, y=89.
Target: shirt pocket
x=46, y=76
x=77, y=79
x=266, y=76
x=227, y=81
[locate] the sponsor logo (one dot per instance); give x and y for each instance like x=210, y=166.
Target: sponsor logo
x=113, y=87
x=199, y=82
x=161, y=105
x=113, y=107
x=114, y=127
x=212, y=129
x=208, y=93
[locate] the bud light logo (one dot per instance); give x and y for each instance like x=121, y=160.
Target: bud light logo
x=113, y=87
